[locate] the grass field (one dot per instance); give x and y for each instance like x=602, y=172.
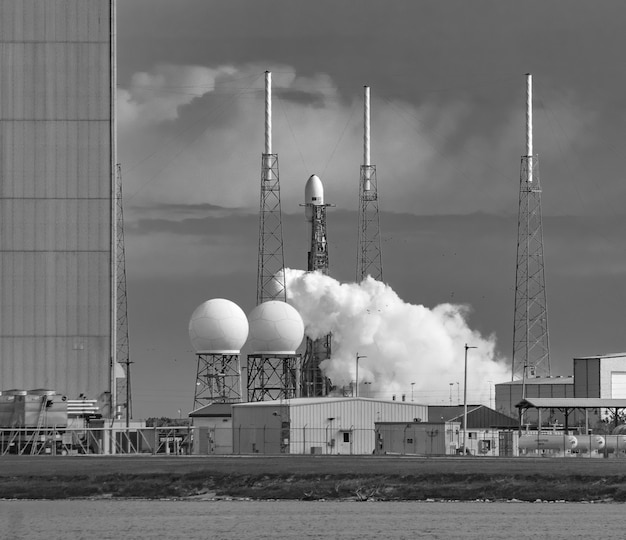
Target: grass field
x=314, y=477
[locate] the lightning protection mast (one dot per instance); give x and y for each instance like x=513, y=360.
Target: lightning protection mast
x=270, y=275
x=531, y=351
x=123, y=386
x=369, y=255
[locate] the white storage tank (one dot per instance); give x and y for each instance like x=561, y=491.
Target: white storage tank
x=589, y=442
x=547, y=441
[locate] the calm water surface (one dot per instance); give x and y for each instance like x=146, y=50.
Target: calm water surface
x=247, y=520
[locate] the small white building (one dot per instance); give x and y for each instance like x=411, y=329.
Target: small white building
x=329, y=425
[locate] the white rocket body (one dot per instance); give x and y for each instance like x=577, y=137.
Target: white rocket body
x=313, y=195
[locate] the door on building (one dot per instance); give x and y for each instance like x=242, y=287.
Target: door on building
x=505, y=443
x=345, y=442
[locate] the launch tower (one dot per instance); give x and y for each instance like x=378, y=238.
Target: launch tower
x=314, y=384
x=369, y=255
x=531, y=352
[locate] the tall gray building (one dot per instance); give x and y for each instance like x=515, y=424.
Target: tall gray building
x=57, y=156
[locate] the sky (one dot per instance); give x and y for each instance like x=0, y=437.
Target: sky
x=448, y=97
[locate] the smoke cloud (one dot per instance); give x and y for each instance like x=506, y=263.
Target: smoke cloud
x=401, y=343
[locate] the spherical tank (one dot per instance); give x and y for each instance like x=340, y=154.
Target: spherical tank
x=275, y=328
x=218, y=326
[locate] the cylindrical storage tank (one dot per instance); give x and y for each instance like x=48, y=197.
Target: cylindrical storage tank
x=275, y=328
x=218, y=326
x=615, y=443
x=547, y=441
x=590, y=442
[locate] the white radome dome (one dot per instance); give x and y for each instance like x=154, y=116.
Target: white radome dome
x=275, y=327
x=218, y=326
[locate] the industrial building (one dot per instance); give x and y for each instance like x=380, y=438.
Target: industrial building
x=331, y=425
x=601, y=377
x=57, y=163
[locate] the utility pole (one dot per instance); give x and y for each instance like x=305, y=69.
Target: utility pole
x=356, y=392
x=465, y=399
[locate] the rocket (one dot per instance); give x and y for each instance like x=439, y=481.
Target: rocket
x=313, y=195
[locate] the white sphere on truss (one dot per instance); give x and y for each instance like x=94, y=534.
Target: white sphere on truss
x=275, y=328
x=218, y=326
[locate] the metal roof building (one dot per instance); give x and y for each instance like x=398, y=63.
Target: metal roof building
x=57, y=168
x=316, y=425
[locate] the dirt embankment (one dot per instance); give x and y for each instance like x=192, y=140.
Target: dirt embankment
x=308, y=479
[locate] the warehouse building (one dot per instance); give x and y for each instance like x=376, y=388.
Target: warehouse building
x=316, y=425
x=599, y=377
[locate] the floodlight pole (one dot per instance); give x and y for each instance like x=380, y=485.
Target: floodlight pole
x=465, y=400
x=356, y=390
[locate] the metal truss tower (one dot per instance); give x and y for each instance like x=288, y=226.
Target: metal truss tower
x=218, y=379
x=369, y=255
x=271, y=263
x=123, y=386
x=273, y=376
x=531, y=351
x=313, y=382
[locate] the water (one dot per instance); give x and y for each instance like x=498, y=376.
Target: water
x=277, y=520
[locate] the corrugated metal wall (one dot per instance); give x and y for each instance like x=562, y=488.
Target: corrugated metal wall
x=322, y=425
x=55, y=196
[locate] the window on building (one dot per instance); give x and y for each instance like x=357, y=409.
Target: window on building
x=346, y=436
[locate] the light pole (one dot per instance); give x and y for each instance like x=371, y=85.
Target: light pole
x=451, y=385
x=356, y=392
x=412, y=385
x=465, y=400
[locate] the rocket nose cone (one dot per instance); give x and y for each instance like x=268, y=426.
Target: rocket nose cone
x=314, y=191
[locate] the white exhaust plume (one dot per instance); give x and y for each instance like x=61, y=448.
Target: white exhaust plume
x=402, y=343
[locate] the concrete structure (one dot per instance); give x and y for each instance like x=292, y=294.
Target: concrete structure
x=330, y=425
x=57, y=156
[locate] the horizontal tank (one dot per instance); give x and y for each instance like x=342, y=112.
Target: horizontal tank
x=547, y=441
x=590, y=442
x=615, y=443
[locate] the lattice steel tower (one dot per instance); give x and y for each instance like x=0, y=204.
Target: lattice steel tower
x=270, y=275
x=314, y=383
x=123, y=387
x=369, y=255
x=531, y=351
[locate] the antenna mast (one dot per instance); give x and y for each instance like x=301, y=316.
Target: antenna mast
x=123, y=387
x=530, y=328
x=369, y=254
x=271, y=263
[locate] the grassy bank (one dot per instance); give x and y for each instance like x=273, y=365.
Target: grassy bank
x=306, y=478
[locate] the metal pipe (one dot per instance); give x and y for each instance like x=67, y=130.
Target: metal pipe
x=113, y=191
